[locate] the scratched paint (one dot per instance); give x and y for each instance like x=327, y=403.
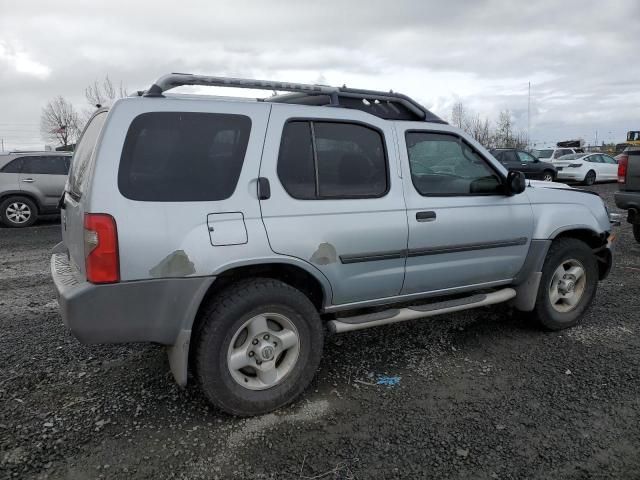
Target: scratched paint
x=324, y=255
x=176, y=264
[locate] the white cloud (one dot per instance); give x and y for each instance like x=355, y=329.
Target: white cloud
x=22, y=63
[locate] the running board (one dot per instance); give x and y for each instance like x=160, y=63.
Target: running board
x=395, y=315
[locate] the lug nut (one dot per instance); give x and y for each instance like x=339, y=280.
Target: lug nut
x=255, y=341
x=275, y=344
x=266, y=337
x=259, y=362
x=251, y=354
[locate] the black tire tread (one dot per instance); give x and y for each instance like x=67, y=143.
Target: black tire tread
x=636, y=232
x=540, y=312
x=233, y=295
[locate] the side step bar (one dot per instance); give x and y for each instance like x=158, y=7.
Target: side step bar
x=395, y=315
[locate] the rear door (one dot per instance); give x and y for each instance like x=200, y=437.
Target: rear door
x=529, y=165
x=336, y=198
x=44, y=176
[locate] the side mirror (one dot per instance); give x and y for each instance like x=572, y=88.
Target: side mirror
x=516, y=182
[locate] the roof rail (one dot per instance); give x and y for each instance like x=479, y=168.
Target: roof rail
x=334, y=94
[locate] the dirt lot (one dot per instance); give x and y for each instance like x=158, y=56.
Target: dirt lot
x=482, y=394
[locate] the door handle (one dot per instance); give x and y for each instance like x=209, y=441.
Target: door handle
x=429, y=216
x=28, y=180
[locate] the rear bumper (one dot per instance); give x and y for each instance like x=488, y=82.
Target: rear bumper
x=569, y=175
x=139, y=311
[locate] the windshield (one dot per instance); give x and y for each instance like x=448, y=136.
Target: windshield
x=542, y=153
x=633, y=136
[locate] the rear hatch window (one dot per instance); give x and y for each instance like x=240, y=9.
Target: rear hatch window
x=81, y=165
x=183, y=156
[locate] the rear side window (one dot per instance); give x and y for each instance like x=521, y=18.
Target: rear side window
x=323, y=160
x=78, y=176
x=183, y=156
x=45, y=165
x=14, y=166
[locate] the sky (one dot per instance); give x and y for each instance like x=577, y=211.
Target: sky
x=579, y=56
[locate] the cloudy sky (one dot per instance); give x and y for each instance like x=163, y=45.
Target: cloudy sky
x=580, y=56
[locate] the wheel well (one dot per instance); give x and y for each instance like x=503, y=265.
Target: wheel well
x=589, y=237
x=597, y=242
x=295, y=276
x=31, y=197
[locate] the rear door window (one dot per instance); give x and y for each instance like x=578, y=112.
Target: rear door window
x=322, y=160
x=45, y=165
x=183, y=156
x=78, y=176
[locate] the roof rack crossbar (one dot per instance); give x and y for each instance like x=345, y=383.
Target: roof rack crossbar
x=173, y=80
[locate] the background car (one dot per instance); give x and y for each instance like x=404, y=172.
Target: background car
x=31, y=184
x=550, y=154
x=587, y=168
x=532, y=167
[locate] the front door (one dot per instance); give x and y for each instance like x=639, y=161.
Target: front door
x=464, y=232
x=336, y=198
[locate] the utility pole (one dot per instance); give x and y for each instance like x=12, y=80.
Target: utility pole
x=529, y=117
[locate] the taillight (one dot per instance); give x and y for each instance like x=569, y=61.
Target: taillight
x=101, y=248
x=622, y=168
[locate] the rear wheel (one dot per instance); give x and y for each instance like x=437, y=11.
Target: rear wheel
x=548, y=176
x=590, y=178
x=636, y=232
x=258, y=346
x=568, y=284
x=18, y=212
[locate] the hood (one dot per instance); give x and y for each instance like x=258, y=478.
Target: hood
x=542, y=184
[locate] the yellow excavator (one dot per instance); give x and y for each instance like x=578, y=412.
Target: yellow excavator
x=633, y=138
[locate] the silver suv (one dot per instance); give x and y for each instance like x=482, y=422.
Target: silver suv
x=31, y=183
x=237, y=232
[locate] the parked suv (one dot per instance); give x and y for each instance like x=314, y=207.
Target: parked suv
x=628, y=197
x=236, y=232
x=31, y=183
x=514, y=159
x=551, y=154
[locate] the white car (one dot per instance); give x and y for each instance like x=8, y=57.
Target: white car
x=586, y=168
x=551, y=154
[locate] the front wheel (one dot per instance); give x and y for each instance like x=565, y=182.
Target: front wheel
x=258, y=346
x=568, y=285
x=548, y=176
x=636, y=232
x=590, y=178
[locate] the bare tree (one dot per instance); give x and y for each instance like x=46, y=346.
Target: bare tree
x=103, y=94
x=459, y=115
x=59, y=122
x=504, y=130
x=480, y=129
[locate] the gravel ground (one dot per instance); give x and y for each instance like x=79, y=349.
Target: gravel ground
x=481, y=394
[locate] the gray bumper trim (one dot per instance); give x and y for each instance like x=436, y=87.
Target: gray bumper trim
x=139, y=311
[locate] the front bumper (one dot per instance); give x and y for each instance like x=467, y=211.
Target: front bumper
x=137, y=311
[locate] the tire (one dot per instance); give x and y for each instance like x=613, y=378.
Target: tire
x=636, y=232
x=548, y=176
x=568, y=310
x=234, y=316
x=589, y=178
x=18, y=212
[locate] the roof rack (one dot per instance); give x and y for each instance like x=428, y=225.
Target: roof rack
x=388, y=105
